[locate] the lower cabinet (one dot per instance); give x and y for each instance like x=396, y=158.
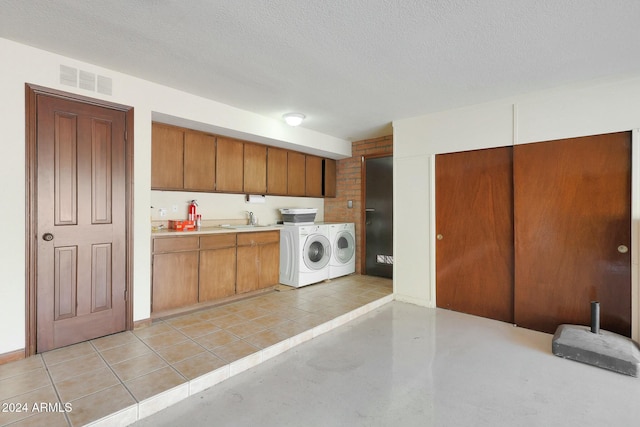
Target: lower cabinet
x=258, y=261
x=188, y=270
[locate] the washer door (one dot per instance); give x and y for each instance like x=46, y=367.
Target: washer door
x=316, y=252
x=344, y=248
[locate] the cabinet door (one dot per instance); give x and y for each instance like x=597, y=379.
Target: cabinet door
x=313, y=176
x=167, y=154
x=217, y=274
x=269, y=265
x=248, y=269
x=276, y=171
x=295, y=174
x=199, y=161
x=229, y=165
x=329, y=178
x=175, y=280
x=255, y=168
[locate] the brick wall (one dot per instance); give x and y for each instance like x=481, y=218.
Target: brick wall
x=349, y=187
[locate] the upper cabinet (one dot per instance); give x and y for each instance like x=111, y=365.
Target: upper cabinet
x=230, y=165
x=255, y=168
x=189, y=160
x=167, y=155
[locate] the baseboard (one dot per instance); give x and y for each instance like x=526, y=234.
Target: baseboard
x=142, y=323
x=12, y=356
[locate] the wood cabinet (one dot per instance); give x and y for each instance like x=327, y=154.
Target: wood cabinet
x=258, y=261
x=313, y=176
x=175, y=273
x=217, y=262
x=255, y=168
x=229, y=165
x=199, y=161
x=276, y=171
x=189, y=160
x=295, y=174
x=189, y=270
x=167, y=153
x=328, y=178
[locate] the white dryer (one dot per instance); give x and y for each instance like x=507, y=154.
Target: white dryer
x=343, y=249
x=305, y=252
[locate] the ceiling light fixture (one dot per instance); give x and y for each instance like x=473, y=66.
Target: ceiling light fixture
x=293, y=119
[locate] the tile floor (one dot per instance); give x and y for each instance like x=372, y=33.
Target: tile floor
x=120, y=378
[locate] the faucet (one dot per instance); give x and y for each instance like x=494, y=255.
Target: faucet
x=252, y=218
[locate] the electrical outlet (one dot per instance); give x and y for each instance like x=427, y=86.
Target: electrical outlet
x=174, y=208
x=162, y=212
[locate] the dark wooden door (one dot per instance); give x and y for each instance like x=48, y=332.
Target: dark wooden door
x=81, y=222
x=474, y=226
x=573, y=232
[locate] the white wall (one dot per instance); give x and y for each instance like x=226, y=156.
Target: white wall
x=578, y=110
x=24, y=64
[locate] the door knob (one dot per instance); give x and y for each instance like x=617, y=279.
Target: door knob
x=623, y=249
x=439, y=237
x=47, y=237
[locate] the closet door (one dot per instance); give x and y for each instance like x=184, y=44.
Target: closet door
x=474, y=226
x=573, y=232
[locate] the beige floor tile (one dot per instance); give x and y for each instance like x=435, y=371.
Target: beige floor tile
x=154, y=383
x=119, y=354
x=212, y=313
x=228, y=320
x=199, y=365
x=175, y=353
x=154, y=329
x=291, y=313
x=115, y=340
x=199, y=329
x=249, y=312
x=183, y=321
x=234, y=351
x=98, y=405
x=49, y=419
x=164, y=340
x=216, y=339
x=266, y=338
x=290, y=328
x=23, y=383
x=74, y=367
x=85, y=384
x=22, y=406
x=270, y=320
x=245, y=329
x=21, y=366
x=138, y=366
x=67, y=353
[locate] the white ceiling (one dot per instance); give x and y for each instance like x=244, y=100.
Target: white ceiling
x=352, y=66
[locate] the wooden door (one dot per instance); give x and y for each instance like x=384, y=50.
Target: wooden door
x=572, y=225
x=255, y=169
x=474, y=226
x=248, y=268
x=329, y=178
x=81, y=222
x=269, y=264
x=276, y=171
x=229, y=165
x=167, y=155
x=295, y=174
x=199, y=161
x=175, y=280
x=313, y=176
x=217, y=266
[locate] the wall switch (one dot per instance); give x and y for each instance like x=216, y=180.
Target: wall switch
x=162, y=212
x=350, y=204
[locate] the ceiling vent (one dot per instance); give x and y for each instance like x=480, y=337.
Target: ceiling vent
x=70, y=76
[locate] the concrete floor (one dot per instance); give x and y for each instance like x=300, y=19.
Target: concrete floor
x=405, y=365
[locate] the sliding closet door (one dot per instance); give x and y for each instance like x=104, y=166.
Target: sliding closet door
x=474, y=226
x=573, y=232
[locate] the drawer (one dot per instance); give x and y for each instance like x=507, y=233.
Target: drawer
x=175, y=244
x=247, y=239
x=216, y=241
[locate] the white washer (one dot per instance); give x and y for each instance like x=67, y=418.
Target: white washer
x=305, y=252
x=343, y=249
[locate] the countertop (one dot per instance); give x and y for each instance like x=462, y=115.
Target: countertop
x=215, y=230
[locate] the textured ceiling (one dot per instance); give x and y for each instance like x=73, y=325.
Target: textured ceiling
x=352, y=66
